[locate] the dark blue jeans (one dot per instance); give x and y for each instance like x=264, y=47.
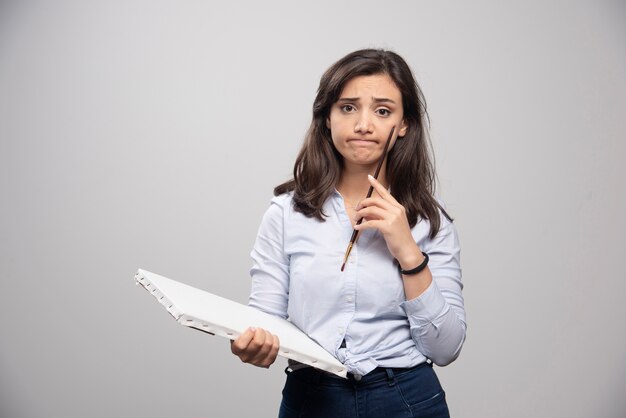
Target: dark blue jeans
x=383, y=393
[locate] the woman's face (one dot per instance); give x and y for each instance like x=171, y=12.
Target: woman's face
x=360, y=121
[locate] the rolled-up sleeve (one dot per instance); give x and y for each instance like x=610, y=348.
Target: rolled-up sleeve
x=270, y=265
x=437, y=316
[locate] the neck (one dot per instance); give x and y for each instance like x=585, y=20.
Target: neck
x=354, y=184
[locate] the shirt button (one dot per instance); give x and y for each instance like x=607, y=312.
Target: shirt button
x=340, y=330
x=349, y=299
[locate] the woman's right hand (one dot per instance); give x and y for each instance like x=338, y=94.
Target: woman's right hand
x=256, y=346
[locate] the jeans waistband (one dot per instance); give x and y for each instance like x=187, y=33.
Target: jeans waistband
x=379, y=373
x=385, y=372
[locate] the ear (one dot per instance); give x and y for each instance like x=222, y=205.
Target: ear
x=403, y=129
x=328, y=122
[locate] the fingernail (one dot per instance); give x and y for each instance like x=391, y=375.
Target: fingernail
x=370, y=176
x=252, y=329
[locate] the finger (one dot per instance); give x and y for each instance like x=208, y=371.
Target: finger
x=373, y=224
x=241, y=343
x=375, y=201
x=275, y=348
x=250, y=352
x=384, y=193
x=271, y=356
x=258, y=340
x=372, y=212
x=382, y=190
x=262, y=345
x=268, y=351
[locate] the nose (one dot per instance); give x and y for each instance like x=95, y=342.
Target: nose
x=363, y=124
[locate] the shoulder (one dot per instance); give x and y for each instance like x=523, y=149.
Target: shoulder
x=279, y=206
x=282, y=202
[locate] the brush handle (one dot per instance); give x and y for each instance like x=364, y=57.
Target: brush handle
x=369, y=194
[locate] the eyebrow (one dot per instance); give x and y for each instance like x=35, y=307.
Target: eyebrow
x=376, y=99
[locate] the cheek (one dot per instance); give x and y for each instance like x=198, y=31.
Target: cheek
x=338, y=126
x=338, y=140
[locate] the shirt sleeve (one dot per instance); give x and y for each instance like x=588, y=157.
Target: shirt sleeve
x=270, y=267
x=437, y=316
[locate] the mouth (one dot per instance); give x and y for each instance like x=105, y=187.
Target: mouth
x=360, y=141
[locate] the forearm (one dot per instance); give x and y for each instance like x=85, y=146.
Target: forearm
x=437, y=326
x=414, y=284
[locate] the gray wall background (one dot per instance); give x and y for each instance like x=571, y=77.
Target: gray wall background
x=149, y=134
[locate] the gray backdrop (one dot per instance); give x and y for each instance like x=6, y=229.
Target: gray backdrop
x=149, y=134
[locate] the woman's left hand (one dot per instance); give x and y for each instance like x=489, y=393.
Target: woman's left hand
x=389, y=217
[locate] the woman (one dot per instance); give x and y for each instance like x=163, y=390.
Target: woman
x=397, y=307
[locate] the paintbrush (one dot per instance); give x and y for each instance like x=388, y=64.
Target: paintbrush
x=369, y=194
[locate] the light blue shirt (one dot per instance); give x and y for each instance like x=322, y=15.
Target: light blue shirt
x=296, y=275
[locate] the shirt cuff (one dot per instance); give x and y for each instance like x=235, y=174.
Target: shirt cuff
x=425, y=308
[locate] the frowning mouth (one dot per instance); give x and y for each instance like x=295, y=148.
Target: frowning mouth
x=362, y=141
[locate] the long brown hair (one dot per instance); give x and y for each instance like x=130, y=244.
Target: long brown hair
x=410, y=165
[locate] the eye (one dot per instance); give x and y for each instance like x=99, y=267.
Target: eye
x=347, y=108
x=383, y=112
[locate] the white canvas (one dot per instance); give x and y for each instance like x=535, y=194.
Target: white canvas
x=213, y=314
